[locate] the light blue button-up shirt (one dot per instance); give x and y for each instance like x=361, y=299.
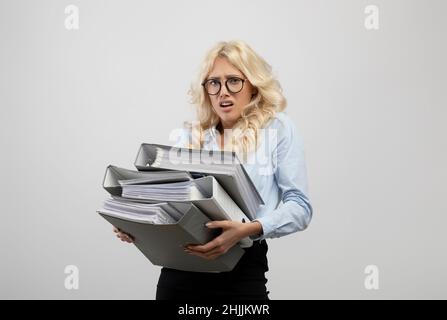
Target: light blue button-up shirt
x=277, y=169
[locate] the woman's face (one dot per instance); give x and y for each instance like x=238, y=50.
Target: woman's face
x=228, y=105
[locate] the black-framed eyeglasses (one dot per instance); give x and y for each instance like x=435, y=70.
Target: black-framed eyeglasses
x=233, y=85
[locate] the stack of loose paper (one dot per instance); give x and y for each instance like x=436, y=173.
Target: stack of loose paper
x=175, y=191
x=157, y=213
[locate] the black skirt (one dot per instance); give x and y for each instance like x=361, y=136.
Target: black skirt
x=245, y=282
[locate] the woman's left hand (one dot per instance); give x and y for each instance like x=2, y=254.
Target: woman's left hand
x=232, y=233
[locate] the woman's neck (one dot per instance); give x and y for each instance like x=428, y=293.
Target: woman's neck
x=222, y=127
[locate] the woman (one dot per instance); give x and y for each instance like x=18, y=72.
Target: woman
x=240, y=108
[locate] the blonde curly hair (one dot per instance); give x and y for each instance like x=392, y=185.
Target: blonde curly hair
x=265, y=103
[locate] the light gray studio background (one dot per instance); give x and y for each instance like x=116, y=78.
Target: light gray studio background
x=370, y=104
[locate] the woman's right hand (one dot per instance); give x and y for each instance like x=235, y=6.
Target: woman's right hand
x=123, y=236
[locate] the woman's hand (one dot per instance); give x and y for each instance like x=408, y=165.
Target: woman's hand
x=232, y=233
x=123, y=236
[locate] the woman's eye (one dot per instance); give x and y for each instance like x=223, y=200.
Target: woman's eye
x=214, y=83
x=234, y=80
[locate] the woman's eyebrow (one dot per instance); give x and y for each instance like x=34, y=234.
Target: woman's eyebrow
x=227, y=76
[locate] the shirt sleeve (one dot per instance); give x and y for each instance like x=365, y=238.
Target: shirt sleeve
x=289, y=168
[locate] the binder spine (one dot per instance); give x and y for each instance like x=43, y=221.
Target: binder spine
x=229, y=204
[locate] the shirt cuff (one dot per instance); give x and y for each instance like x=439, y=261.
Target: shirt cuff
x=262, y=235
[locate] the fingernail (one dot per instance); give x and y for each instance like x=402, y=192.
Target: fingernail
x=208, y=224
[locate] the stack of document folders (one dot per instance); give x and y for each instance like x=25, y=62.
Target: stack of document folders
x=174, y=192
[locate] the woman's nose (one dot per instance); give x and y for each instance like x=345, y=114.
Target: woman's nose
x=223, y=91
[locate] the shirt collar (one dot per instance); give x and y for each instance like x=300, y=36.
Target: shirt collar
x=213, y=131
x=210, y=136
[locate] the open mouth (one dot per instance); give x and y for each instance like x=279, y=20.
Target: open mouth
x=226, y=104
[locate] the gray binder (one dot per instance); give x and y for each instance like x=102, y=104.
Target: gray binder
x=223, y=165
x=163, y=244
x=216, y=205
